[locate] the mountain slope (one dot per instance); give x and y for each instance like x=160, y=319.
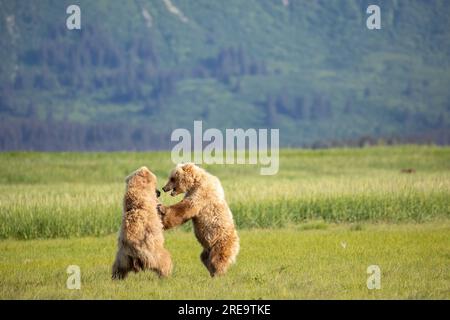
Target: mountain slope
x=139, y=69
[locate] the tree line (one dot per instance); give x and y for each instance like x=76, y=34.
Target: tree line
x=32, y=134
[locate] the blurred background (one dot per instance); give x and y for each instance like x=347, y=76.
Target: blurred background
x=139, y=69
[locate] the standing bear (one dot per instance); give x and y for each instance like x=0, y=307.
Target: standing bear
x=204, y=203
x=141, y=240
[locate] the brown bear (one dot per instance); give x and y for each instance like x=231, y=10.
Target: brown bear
x=204, y=203
x=141, y=241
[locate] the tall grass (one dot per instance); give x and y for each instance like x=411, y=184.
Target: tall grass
x=47, y=195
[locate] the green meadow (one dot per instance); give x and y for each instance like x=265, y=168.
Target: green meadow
x=308, y=261
x=310, y=231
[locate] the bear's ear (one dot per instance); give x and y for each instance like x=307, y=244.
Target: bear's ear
x=143, y=172
x=188, y=167
x=147, y=174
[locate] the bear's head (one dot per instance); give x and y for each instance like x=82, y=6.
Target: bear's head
x=182, y=179
x=142, y=179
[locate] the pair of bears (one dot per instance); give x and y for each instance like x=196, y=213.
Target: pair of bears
x=141, y=240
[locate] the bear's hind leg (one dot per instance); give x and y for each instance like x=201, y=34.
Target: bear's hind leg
x=122, y=265
x=204, y=257
x=163, y=264
x=222, y=255
x=219, y=261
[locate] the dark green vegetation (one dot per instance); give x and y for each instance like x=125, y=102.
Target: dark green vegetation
x=311, y=68
x=48, y=195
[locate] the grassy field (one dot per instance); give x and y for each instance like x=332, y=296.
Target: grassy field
x=311, y=231
x=308, y=261
x=48, y=195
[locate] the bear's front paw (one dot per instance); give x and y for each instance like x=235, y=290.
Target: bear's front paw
x=161, y=209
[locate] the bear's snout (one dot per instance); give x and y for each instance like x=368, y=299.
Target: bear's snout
x=166, y=188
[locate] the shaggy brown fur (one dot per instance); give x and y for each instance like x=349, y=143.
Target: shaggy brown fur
x=141, y=241
x=204, y=203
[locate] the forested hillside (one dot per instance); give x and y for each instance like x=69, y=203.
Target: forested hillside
x=139, y=69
